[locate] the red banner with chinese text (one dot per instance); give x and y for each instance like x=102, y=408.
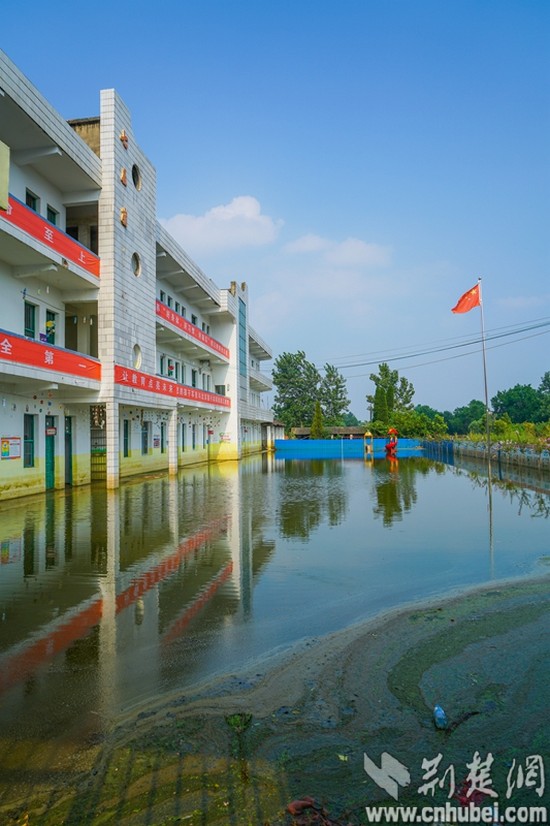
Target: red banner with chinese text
x=16, y=348
x=158, y=384
x=31, y=222
x=191, y=329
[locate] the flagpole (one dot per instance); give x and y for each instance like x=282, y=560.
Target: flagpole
x=488, y=434
x=487, y=430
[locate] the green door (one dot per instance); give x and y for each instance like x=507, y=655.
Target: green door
x=68, y=450
x=50, y=452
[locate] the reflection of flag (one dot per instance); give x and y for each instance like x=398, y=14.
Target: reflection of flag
x=467, y=301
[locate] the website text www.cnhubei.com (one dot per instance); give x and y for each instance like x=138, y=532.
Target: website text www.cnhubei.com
x=449, y=814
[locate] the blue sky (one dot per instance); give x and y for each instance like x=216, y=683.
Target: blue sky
x=358, y=164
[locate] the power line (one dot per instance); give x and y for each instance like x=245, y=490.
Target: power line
x=401, y=356
x=458, y=356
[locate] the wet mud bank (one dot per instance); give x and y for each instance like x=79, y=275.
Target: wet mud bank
x=240, y=749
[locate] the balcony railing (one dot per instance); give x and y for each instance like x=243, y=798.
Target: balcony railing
x=155, y=384
x=33, y=224
x=20, y=350
x=192, y=330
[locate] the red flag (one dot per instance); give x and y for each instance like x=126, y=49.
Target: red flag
x=468, y=301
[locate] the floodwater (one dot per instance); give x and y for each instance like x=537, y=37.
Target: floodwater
x=110, y=599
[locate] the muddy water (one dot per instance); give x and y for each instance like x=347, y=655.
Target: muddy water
x=109, y=600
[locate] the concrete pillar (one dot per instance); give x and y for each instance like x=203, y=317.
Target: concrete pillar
x=173, y=442
x=113, y=456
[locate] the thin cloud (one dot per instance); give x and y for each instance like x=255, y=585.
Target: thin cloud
x=235, y=225
x=521, y=302
x=308, y=243
x=352, y=252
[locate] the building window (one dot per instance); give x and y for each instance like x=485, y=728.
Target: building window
x=126, y=438
x=30, y=320
x=50, y=326
x=28, y=440
x=145, y=438
x=220, y=389
x=194, y=320
x=169, y=302
x=204, y=435
x=32, y=200
x=183, y=434
x=183, y=373
x=194, y=436
x=94, y=239
x=52, y=215
x=183, y=311
x=163, y=297
x=177, y=307
x=242, y=339
x=163, y=437
x=193, y=378
x=73, y=232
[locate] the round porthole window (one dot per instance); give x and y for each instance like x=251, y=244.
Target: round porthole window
x=136, y=177
x=136, y=264
x=137, y=356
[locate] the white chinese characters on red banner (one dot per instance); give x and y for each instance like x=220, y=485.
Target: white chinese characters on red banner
x=157, y=384
x=16, y=348
x=191, y=329
x=32, y=223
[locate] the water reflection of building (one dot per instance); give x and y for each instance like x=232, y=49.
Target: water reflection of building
x=118, y=355
x=107, y=596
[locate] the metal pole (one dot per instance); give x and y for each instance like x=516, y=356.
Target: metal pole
x=488, y=432
x=484, y=373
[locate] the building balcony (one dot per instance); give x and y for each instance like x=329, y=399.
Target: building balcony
x=253, y=413
x=34, y=247
x=25, y=360
x=187, y=333
x=259, y=381
x=257, y=347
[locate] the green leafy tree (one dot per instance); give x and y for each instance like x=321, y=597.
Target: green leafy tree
x=296, y=381
x=333, y=396
x=544, y=396
x=521, y=402
x=426, y=411
x=461, y=418
x=317, y=426
x=392, y=394
x=380, y=405
x=350, y=420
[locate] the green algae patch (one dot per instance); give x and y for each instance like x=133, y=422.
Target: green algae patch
x=239, y=756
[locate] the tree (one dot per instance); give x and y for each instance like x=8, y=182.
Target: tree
x=333, y=396
x=298, y=385
x=522, y=403
x=317, y=427
x=544, y=396
x=392, y=394
x=461, y=418
x=296, y=381
x=350, y=420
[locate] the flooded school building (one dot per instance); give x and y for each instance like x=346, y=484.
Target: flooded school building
x=118, y=355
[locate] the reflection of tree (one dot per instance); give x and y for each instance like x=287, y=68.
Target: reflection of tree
x=536, y=501
x=395, y=486
x=312, y=489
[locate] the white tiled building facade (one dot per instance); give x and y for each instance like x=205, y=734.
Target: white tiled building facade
x=118, y=355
